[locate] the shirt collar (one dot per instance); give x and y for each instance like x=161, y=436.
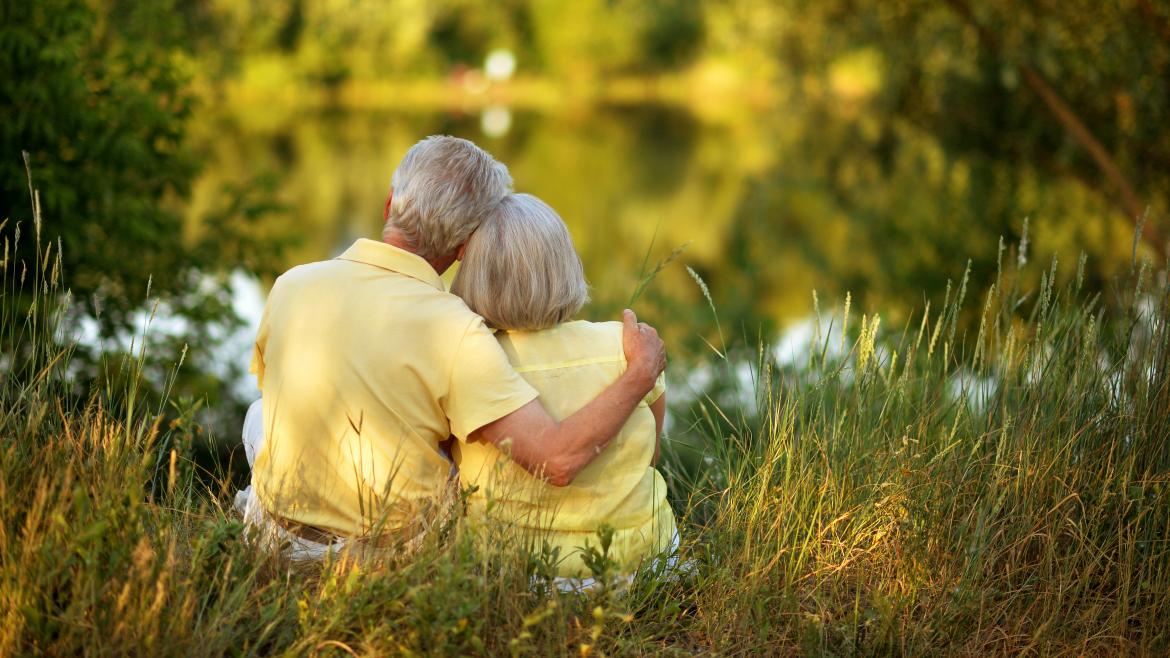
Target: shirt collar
x=389, y=257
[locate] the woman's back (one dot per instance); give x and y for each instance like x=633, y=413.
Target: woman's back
x=569, y=365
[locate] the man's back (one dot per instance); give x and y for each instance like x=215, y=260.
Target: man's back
x=365, y=365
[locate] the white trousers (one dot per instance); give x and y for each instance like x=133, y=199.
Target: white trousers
x=269, y=533
x=667, y=563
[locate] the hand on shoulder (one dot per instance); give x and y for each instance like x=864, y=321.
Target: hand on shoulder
x=644, y=349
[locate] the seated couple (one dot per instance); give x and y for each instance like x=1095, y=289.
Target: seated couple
x=369, y=370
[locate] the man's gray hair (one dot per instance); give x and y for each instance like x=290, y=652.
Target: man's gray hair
x=520, y=270
x=442, y=190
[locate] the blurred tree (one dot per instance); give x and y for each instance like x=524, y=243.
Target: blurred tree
x=592, y=38
x=1071, y=89
x=920, y=133
x=1093, y=49
x=98, y=100
x=671, y=33
x=333, y=41
x=101, y=112
x=95, y=93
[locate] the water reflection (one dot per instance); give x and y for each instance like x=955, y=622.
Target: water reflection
x=773, y=205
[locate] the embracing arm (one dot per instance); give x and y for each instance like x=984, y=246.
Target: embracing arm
x=558, y=451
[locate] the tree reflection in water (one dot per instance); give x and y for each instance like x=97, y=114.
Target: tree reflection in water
x=773, y=205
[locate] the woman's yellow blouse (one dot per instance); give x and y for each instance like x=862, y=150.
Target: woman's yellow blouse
x=569, y=365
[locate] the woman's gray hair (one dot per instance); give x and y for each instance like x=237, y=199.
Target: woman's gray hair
x=442, y=189
x=520, y=270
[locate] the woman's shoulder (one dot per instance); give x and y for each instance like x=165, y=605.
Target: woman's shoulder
x=604, y=337
x=567, y=342
x=598, y=330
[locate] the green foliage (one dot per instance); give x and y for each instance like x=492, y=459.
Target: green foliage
x=100, y=108
x=334, y=42
x=670, y=34
x=1026, y=94
x=97, y=96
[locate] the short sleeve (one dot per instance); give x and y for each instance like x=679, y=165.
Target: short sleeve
x=258, y=347
x=257, y=367
x=658, y=390
x=484, y=386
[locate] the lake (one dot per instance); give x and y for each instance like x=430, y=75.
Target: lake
x=766, y=205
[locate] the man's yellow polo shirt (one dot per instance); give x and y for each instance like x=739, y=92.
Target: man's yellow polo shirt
x=365, y=364
x=570, y=365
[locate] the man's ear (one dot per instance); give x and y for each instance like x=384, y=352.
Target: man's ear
x=461, y=250
x=386, y=210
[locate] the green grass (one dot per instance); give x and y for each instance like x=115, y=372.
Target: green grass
x=865, y=503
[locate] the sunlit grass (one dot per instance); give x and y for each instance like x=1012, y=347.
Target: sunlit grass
x=922, y=491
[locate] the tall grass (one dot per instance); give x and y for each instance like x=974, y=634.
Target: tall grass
x=993, y=494
x=924, y=491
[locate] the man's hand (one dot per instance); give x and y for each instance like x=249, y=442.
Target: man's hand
x=645, y=351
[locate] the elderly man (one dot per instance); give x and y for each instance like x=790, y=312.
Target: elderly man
x=367, y=365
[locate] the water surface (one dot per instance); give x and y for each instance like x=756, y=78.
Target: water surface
x=769, y=205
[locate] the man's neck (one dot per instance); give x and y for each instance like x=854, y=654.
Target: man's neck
x=395, y=238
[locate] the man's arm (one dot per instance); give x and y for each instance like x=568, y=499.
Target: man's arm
x=658, y=408
x=558, y=451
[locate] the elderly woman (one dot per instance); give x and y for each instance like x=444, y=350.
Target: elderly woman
x=522, y=274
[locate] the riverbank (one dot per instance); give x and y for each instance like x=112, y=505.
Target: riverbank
x=908, y=490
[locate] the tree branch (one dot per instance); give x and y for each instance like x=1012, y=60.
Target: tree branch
x=1160, y=23
x=1128, y=199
